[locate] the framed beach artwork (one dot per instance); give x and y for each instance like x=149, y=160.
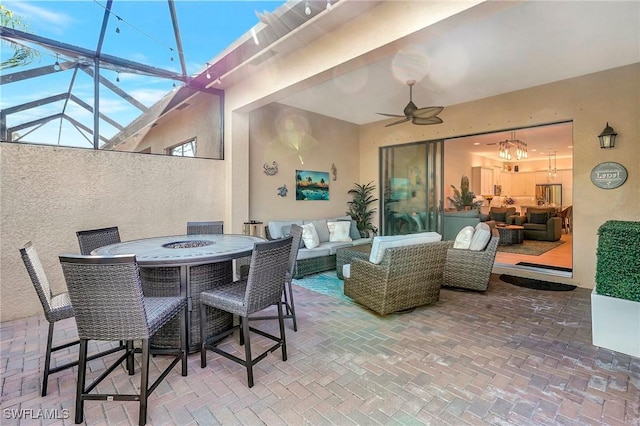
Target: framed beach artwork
x=312, y=185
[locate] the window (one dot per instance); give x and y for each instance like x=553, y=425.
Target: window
x=185, y=149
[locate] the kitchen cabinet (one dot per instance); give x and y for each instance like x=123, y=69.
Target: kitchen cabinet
x=482, y=180
x=523, y=184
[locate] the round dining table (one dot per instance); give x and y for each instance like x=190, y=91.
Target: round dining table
x=185, y=265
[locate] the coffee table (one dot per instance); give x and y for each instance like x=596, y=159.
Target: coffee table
x=510, y=234
x=344, y=256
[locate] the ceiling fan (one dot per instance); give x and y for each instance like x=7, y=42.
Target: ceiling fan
x=417, y=115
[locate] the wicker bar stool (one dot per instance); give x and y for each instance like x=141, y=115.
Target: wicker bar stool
x=93, y=238
x=215, y=227
x=56, y=308
x=289, y=304
x=262, y=288
x=106, y=293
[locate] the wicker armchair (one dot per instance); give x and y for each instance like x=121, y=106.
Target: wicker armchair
x=407, y=277
x=215, y=227
x=471, y=269
x=107, y=299
x=262, y=288
x=94, y=238
x=56, y=308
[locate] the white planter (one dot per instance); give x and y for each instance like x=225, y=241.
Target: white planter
x=615, y=324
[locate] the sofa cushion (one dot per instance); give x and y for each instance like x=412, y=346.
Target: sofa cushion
x=275, y=227
x=538, y=218
x=310, y=236
x=534, y=227
x=286, y=231
x=481, y=237
x=354, y=233
x=380, y=244
x=339, y=231
x=498, y=216
x=319, y=251
x=333, y=247
x=463, y=239
x=321, y=229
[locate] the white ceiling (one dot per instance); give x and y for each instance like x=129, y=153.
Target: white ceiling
x=518, y=45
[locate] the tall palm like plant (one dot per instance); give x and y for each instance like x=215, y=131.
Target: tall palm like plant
x=359, y=209
x=22, y=55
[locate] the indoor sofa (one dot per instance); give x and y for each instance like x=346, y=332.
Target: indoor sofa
x=542, y=224
x=311, y=258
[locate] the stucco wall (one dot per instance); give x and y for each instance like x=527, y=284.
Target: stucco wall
x=200, y=119
x=299, y=140
x=590, y=101
x=49, y=193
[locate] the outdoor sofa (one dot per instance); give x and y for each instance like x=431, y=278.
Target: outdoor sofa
x=312, y=260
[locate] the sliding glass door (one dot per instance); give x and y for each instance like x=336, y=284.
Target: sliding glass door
x=411, y=188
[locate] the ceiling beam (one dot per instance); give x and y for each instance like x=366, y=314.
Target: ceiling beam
x=115, y=89
x=35, y=72
x=176, y=32
x=106, y=61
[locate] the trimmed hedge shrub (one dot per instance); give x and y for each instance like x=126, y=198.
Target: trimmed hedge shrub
x=618, y=267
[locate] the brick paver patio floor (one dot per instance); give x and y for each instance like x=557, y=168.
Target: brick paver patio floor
x=510, y=356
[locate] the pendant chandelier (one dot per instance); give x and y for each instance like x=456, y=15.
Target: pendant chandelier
x=519, y=147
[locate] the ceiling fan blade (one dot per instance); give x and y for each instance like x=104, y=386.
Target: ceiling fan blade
x=423, y=120
x=389, y=115
x=428, y=111
x=398, y=122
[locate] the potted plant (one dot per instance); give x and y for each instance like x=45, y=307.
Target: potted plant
x=463, y=198
x=359, y=209
x=615, y=300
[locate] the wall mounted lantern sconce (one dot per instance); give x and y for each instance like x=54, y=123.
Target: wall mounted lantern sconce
x=607, y=137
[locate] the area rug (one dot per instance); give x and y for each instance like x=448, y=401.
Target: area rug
x=326, y=283
x=536, y=284
x=541, y=266
x=530, y=247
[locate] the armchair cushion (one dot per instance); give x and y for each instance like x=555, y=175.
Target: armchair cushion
x=498, y=216
x=380, y=244
x=501, y=214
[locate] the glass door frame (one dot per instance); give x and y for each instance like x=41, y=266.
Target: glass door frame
x=427, y=183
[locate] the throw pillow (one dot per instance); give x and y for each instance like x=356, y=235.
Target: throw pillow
x=339, y=231
x=481, y=237
x=310, y=236
x=354, y=233
x=538, y=218
x=463, y=239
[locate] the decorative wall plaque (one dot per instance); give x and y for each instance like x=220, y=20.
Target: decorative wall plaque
x=608, y=175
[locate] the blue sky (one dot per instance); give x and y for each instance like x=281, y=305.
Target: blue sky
x=145, y=35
